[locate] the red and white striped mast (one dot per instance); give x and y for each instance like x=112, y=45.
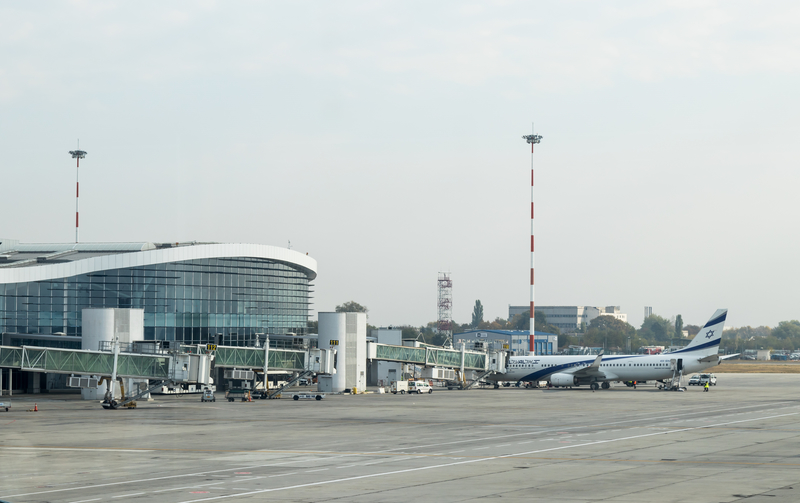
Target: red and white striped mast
x=78, y=155
x=533, y=139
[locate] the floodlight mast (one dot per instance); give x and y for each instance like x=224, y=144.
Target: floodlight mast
x=533, y=139
x=78, y=155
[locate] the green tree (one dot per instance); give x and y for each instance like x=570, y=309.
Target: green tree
x=522, y=321
x=608, y=332
x=656, y=330
x=477, y=314
x=351, y=307
x=692, y=329
x=412, y=333
x=787, y=330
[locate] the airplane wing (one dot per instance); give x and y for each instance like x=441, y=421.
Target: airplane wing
x=592, y=370
x=715, y=358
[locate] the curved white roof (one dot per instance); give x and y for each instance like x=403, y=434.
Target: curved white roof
x=106, y=256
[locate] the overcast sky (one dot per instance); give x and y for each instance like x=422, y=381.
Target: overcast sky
x=384, y=139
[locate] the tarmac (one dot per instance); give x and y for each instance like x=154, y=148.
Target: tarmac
x=738, y=442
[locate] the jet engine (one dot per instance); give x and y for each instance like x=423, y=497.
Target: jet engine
x=563, y=380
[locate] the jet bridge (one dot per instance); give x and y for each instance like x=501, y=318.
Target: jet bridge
x=432, y=356
x=173, y=366
x=290, y=360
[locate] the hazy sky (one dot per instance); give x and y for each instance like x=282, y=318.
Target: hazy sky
x=384, y=138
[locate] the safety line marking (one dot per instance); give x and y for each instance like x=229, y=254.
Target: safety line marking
x=344, y=455
x=73, y=449
x=408, y=470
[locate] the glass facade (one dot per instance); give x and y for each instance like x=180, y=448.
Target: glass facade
x=227, y=300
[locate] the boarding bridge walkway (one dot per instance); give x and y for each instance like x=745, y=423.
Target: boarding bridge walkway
x=294, y=360
x=79, y=361
x=432, y=356
x=290, y=360
x=182, y=366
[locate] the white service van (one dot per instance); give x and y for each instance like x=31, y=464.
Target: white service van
x=419, y=387
x=404, y=387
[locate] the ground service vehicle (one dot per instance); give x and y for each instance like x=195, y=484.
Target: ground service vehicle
x=695, y=380
x=5, y=405
x=419, y=387
x=711, y=379
x=234, y=393
x=399, y=387
x=308, y=396
x=404, y=387
x=208, y=396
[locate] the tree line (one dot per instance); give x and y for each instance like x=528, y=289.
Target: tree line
x=612, y=334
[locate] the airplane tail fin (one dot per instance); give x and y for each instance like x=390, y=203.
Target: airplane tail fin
x=710, y=335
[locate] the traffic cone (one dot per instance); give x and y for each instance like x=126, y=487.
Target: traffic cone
x=35, y=407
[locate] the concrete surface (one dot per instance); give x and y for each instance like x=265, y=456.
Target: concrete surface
x=738, y=442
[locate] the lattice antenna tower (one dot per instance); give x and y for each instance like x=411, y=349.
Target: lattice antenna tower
x=445, y=321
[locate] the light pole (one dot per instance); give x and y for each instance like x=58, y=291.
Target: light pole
x=533, y=139
x=77, y=155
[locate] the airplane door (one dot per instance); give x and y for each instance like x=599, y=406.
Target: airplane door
x=673, y=364
x=680, y=364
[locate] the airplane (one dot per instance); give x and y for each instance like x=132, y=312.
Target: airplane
x=601, y=371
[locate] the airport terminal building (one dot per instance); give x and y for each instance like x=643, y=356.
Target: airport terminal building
x=194, y=293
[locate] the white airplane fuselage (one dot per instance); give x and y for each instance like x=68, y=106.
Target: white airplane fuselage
x=613, y=368
x=700, y=353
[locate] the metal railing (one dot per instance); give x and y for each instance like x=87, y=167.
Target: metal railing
x=253, y=358
x=430, y=356
x=77, y=361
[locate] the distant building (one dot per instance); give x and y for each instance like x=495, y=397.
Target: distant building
x=568, y=319
x=517, y=341
x=648, y=311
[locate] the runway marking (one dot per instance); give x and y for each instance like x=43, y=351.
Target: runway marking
x=154, y=478
x=238, y=479
x=479, y=460
x=385, y=452
x=175, y=489
x=317, y=470
x=86, y=501
x=384, y=461
x=90, y=449
x=126, y=495
x=282, y=475
x=699, y=410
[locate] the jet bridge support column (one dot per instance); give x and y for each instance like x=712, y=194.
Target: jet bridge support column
x=463, y=355
x=266, y=364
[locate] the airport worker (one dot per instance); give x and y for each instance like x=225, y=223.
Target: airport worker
x=634, y=384
x=705, y=388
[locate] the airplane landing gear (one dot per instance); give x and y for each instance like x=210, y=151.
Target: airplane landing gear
x=594, y=386
x=606, y=385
